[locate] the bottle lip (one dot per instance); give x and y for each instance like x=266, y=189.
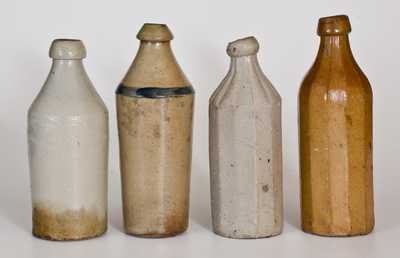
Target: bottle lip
x=334, y=25
x=243, y=47
x=155, y=32
x=67, y=49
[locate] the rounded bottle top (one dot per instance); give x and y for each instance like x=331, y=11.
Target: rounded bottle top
x=155, y=32
x=334, y=25
x=67, y=49
x=243, y=47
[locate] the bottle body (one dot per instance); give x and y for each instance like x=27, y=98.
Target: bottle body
x=335, y=130
x=155, y=110
x=68, y=152
x=246, y=151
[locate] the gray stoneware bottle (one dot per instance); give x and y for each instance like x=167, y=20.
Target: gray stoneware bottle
x=68, y=150
x=245, y=149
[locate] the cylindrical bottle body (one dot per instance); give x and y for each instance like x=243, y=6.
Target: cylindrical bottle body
x=245, y=162
x=68, y=152
x=335, y=130
x=336, y=158
x=155, y=151
x=246, y=154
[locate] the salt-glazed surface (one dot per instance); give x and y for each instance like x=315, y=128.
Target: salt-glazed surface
x=68, y=150
x=246, y=149
x=155, y=111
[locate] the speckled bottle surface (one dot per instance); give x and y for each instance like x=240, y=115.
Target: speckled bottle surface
x=335, y=123
x=68, y=150
x=155, y=110
x=246, y=149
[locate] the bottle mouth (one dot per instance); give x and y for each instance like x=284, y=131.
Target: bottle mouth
x=155, y=32
x=334, y=25
x=243, y=47
x=67, y=49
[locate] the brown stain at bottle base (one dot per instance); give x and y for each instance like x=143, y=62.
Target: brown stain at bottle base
x=173, y=226
x=67, y=225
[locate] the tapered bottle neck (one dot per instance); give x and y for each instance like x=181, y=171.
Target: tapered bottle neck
x=69, y=73
x=69, y=65
x=65, y=67
x=335, y=46
x=244, y=65
x=156, y=44
x=155, y=48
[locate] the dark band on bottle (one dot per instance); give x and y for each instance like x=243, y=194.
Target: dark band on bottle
x=153, y=92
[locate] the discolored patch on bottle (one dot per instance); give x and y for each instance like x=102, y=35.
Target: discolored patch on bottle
x=172, y=225
x=176, y=224
x=67, y=225
x=349, y=120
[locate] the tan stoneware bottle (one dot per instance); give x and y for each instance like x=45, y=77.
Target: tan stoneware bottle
x=68, y=150
x=155, y=110
x=335, y=130
x=246, y=149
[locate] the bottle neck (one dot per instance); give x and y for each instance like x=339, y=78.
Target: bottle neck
x=335, y=47
x=67, y=72
x=244, y=65
x=69, y=66
x=155, y=45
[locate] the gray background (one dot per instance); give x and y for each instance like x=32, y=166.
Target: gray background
x=286, y=31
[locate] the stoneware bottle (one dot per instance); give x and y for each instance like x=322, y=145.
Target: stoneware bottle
x=155, y=109
x=335, y=122
x=245, y=149
x=68, y=150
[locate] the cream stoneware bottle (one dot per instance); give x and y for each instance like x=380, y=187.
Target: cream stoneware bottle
x=68, y=150
x=245, y=149
x=155, y=109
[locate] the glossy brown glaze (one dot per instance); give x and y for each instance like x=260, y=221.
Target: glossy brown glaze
x=155, y=109
x=335, y=130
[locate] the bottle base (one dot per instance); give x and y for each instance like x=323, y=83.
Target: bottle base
x=67, y=225
x=71, y=238
x=155, y=234
x=337, y=234
x=246, y=236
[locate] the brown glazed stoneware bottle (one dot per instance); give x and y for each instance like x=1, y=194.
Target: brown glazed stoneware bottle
x=155, y=110
x=335, y=122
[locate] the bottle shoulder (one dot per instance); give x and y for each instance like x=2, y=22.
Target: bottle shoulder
x=155, y=66
x=347, y=77
x=237, y=90
x=68, y=99
x=343, y=91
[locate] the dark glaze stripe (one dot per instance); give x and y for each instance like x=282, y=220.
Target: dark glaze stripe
x=153, y=92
